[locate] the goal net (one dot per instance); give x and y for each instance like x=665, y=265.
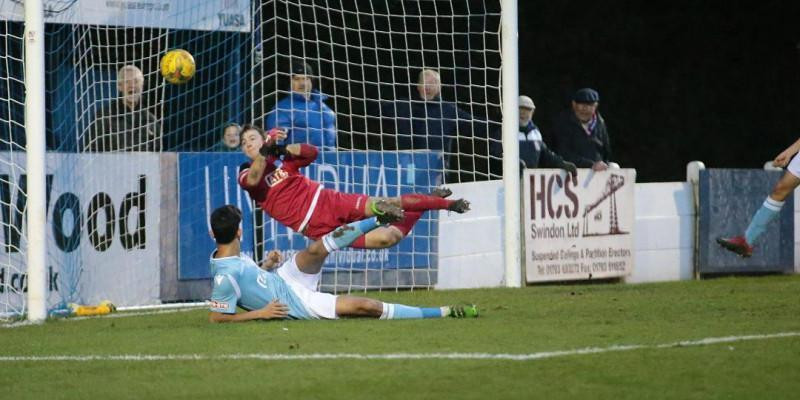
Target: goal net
x=12, y=168
x=135, y=165
x=386, y=126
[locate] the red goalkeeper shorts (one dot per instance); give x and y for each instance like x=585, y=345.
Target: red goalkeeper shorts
x=333, y=210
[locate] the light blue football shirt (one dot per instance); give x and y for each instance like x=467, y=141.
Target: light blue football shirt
x=239, y=281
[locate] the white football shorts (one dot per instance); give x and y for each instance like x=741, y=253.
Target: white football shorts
x=319, y=305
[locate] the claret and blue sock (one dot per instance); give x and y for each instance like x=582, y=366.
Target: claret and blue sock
x=768, y=211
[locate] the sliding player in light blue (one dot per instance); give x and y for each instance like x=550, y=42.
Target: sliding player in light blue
x=769, y=210
x=290, y=290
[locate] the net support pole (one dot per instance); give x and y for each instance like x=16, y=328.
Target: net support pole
x=35, y=153
x=511, y=181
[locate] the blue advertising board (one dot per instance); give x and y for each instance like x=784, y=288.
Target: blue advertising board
x=209, y=180
x=728, y=200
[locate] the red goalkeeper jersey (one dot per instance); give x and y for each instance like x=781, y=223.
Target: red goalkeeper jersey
x=284, y=193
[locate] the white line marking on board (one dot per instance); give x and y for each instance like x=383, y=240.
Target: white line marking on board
x=400, y=356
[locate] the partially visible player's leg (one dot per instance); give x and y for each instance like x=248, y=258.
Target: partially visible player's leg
x=351, y=306
x=303, y=271
x=419, y=202
x=788, y=183
x=336, y=208
x=302, y=274
x=769, y=210
x=771, y=207
x=424, y=202
x=310, y=260
x=382, y=238
x=388, y=236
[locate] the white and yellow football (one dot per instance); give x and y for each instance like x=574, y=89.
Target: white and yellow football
x=177, y=66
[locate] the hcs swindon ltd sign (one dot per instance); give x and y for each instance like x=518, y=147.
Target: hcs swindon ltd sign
x=578, y=228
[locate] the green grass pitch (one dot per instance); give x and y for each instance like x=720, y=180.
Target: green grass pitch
x=548, y=325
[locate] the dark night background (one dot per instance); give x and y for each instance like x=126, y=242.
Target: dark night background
x=678, y=81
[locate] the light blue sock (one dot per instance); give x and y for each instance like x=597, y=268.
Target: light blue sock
x=345, y=235
x=399, y=311
x=768, y=211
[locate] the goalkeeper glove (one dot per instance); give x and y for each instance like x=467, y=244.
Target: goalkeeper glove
x=271, y=146
x=271, y=149
x=272, y=135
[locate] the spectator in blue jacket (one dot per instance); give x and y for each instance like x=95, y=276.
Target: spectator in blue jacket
x=303, y=113
x=426, y=122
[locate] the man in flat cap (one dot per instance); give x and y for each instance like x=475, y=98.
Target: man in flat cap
x=580, y=135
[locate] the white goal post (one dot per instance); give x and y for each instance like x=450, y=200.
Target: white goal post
x=511, y=182
x=35, y=132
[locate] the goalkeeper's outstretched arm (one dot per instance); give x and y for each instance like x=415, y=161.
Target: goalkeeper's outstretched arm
x=256, y=171
x=301, y=155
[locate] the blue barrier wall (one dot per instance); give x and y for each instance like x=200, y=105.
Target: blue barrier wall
x=728, y=199
x=208, y=180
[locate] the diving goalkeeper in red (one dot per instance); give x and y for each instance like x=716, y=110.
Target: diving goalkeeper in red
x=273, y=180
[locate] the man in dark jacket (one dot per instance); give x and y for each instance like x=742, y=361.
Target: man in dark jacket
x=580, y=134
x=533, y=152
x=427, y=122
x=125, y=124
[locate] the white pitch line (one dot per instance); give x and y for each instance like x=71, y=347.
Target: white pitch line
x=400, y=356
x=19, y=324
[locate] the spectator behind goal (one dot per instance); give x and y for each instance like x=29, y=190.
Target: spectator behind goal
x=303, y=113
x=426, y=122
x=124, y=124
x=229, y=140
x=580, y=135
x=533, y=152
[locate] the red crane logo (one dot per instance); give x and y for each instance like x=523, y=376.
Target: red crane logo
x=614, y=183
